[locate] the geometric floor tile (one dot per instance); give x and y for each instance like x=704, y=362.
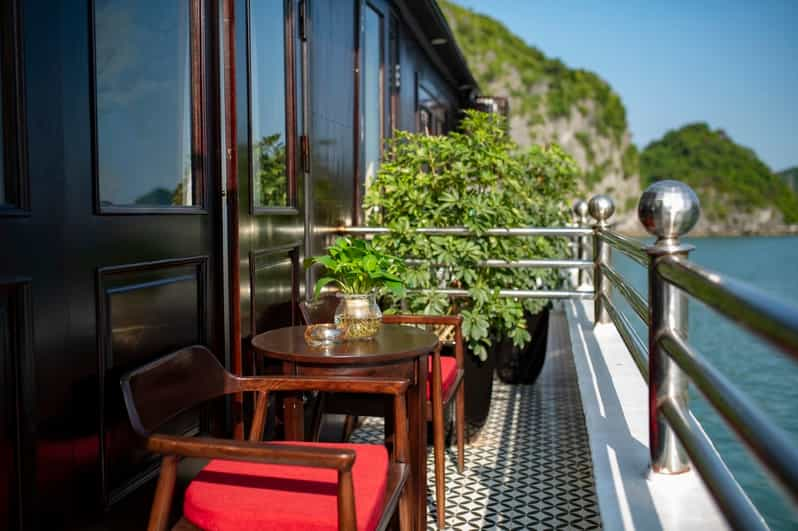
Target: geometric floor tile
x=530, y=467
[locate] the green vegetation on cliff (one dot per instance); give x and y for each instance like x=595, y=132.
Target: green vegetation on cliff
x=545, y=88
x=728, y=177
x=790, y=178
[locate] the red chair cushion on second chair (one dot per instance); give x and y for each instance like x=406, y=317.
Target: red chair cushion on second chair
x=448, y=375
x=242, y=496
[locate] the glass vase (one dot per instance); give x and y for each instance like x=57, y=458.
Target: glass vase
x=358, y=315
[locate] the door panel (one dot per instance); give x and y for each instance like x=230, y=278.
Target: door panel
x=114, y=281
x=16, y=429
x=146, y=308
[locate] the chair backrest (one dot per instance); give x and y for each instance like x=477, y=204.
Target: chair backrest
x=158, y=391
x=322, y=310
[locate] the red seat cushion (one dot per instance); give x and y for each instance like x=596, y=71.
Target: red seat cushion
x=448, y=375
x=241, y=496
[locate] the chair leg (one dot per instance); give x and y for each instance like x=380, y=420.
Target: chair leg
x=318, y=416
x=459, y=406
x=161, y=505
x=349, y=426
x=406, y=519
x=438, y=446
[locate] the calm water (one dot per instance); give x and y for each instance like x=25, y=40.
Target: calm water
x=763, y=374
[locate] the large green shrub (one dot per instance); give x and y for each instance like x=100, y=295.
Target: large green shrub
x=475, y=178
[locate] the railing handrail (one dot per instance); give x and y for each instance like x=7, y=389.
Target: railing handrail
x=770, y=444
x=765, y=315
x=632, y=248
x=547, y=263
x=550, y=232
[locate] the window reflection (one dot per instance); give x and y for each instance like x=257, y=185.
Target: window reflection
x=268, y=65
x=143, y=69
x=372, y=93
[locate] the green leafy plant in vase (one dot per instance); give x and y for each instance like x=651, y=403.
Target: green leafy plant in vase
x=361, y=272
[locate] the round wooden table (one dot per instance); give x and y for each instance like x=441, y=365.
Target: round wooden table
x=396, y=351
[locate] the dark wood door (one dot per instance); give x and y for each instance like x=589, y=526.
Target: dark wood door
x=110, y=226
x=270, y=128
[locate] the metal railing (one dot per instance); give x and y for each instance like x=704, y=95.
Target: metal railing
x=555, y=232
x=668, y=210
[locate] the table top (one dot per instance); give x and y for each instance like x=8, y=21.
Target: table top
x=392, y=343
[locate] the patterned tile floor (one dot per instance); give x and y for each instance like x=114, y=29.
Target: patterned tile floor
x=530, y=468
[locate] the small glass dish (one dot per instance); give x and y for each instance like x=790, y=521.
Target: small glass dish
x=322, y=335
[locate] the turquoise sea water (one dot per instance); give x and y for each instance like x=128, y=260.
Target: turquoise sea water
x=765, y=375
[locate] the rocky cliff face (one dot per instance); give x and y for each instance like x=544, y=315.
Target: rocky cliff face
x=551, y=103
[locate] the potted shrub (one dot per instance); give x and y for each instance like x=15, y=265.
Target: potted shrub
x=360, y=271
x=476, y=178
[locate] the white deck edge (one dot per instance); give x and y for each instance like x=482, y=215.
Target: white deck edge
x=615, y=401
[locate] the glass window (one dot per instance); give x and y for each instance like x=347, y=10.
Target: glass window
x=372, y=93
x=268, y=89
x=144, y=126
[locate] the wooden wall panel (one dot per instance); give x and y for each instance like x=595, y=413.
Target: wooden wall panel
x=16, y=402
x=144, y=311
x=274, y=277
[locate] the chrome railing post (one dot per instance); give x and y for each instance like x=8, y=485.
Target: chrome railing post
x=601, y=209
x=668, y=210
x=580, y=212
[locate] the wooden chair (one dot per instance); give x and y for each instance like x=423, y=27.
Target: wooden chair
x=257, y=485
x=446, y=385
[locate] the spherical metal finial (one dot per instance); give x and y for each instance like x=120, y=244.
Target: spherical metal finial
x=580, y=208
x=601, y=208
x=668, y=209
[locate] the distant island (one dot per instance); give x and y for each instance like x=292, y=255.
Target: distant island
x=738, y=192
x=577, y=109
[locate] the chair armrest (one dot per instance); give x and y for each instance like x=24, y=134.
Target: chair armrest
x=340, y=459
x=331, y=384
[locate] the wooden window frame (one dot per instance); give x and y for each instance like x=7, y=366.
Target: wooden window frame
x=289, y=34
x=395, y=61
x=199, y=131
x=13, y=152
x=360, y=149
x=437, y=117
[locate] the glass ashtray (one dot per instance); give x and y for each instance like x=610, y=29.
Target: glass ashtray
x=320, y=335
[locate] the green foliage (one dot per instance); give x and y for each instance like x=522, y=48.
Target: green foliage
x=726, y=176
x=358, y=268
x=630, y=161
x=493, y=52
x=790, y=178
x=584, y=140
x=271, y=181
x=475, y=178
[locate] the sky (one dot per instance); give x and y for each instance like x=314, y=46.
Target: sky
x=732, y=64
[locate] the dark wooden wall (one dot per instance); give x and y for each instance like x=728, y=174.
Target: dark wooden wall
x=88, y=291
x=333, y=117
